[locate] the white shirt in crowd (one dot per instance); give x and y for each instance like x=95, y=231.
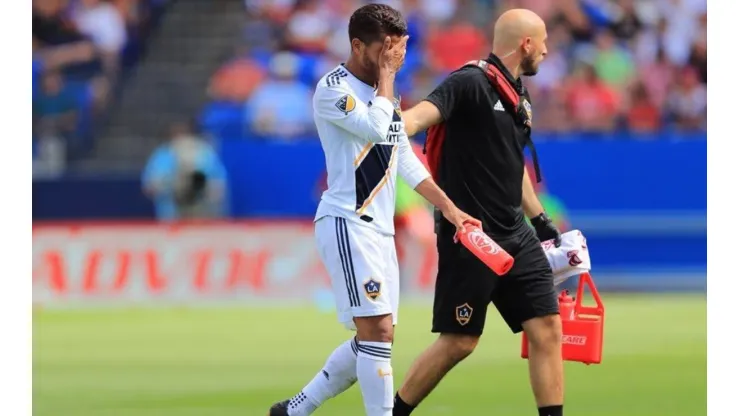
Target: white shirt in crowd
x=104, y=24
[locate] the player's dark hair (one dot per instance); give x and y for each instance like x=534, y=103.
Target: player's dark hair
x=372, y=22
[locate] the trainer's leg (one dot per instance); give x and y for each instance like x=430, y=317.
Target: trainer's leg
x=430, y=367
x=546, y=363
x=461, y=297
x=338, y=374
x=374, y=371
x=527, y=301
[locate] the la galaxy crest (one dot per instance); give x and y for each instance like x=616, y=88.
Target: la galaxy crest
x=372, y=288
x=346, y=104
x=463, y=313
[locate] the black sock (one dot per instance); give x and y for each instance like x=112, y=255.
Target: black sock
x=550, y=410
x=401, y=408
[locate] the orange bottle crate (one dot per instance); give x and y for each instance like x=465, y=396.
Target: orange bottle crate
x=583, y=326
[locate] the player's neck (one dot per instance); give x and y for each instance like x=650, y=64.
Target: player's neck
x=359, y=73
x=511, y=61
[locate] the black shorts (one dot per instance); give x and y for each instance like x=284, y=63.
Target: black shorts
x=465, y=286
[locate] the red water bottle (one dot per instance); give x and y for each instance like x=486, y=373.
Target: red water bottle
x=487, y=250
x=567, y=306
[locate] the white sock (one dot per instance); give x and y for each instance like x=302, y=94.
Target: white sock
x=375, y=375
x=339, y=374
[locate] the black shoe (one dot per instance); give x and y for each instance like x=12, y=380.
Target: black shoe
x=279, y=409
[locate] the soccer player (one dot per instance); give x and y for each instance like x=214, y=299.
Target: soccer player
x=365, y=145
x=485, y=123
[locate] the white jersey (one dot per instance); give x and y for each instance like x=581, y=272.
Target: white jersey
x=365, y=146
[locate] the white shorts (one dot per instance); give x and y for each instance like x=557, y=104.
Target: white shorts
x=363, y=267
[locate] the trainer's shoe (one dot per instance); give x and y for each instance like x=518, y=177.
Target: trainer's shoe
x=279, y=409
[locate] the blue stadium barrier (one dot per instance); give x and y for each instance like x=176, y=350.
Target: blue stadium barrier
x=641, y=203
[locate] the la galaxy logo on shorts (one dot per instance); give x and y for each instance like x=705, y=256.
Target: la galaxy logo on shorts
x=372, y=288
x=463, y=313
x=346, y=104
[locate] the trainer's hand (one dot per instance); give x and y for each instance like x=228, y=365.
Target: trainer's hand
x=459, y=219
x=546, y=229
x=392, y=55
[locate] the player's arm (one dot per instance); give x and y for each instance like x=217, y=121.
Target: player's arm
x=543, y=225
x=416, y=175
x=339, y=106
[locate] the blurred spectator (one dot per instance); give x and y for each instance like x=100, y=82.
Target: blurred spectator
x=281, y=106
x=552, y=112
x=626, y=23
x=643, y=115
x=680, y=27
x=338, y=45
x=49, y=26
x=698, y=55
x=555, y=67
x=104, y=24
x=436, y=10
x=237, y=79
x=61, y=56
x=613, y=64
x=634, y=48
x=55, y=108
x=276, y=10
x=309, y=28
x=49, y=155
x=571, y=14
x=592, y=104
x=687, y=102
x=454, y=43
x=657, y=76
x=185, y=178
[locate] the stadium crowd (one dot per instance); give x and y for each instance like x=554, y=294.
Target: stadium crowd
x=80, y=48
x=613, y=65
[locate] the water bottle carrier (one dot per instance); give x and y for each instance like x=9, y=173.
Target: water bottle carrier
x=583, y=326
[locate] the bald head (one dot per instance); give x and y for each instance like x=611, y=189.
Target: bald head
x=520, y=34
x=514, y=26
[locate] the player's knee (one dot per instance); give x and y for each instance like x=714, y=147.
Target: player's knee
x=544, y=333
x=375, y=328
x=459, y=346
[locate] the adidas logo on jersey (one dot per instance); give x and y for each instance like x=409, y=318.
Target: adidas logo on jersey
x=499, y=106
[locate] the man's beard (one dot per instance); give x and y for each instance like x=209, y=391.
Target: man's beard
x=529, y=67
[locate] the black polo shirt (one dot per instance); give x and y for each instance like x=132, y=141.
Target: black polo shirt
x=482, y=160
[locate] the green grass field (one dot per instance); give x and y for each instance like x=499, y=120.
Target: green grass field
x=222, y=362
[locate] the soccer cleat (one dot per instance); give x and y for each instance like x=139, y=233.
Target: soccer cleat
x=279, y=409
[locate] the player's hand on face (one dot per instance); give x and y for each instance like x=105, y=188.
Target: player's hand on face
x=459, y=219
x=392, y=54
